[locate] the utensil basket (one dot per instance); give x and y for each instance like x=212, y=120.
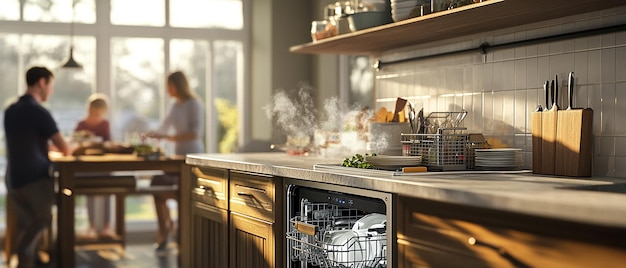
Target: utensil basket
x=445, y=151
x=306, y=239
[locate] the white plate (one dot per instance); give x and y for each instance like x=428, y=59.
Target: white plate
x=401, y=10
x=405, y=4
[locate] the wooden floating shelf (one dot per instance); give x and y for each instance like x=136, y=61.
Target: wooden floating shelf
x=471, y=19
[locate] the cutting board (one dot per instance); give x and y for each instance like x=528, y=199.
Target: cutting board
x=573, y=142
x=548, y=141
x=535, y=118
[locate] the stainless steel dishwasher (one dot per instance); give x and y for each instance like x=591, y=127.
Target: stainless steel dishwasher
x=337, y=226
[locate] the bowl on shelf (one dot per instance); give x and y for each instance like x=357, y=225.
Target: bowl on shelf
x=368, y=19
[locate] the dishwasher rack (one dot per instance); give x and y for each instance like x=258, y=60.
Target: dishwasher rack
x=323, y=237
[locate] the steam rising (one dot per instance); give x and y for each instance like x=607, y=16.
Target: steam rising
x=296, y=116
x=340, y=128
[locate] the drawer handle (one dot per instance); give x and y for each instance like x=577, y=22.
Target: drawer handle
x=246, y=194
x=250, y=188
x=501, y=251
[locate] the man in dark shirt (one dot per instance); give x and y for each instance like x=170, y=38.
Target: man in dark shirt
x=28, y=127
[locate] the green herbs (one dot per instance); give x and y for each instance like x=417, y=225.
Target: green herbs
x=357, y=161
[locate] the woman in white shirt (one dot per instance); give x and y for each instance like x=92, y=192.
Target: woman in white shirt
x=184, y=125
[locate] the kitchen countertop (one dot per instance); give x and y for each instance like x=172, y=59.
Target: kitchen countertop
x=519, y=192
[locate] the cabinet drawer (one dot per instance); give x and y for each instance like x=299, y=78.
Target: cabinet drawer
x=253, y=195
x=428, y=233
x=210, y=186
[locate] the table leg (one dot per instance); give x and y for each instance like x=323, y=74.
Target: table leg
x=65, y=220
x=184, y=216
x=120, y=220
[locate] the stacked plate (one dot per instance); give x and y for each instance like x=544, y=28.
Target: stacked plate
x=404, y=9
x=391, y=161
x=503, y=158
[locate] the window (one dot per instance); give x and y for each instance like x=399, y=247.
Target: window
x=227, y=68
x=227, y=14
x=72, y=88
x=59, y=11
x=10, y=10
x=137, y=80
x=128, y=58
x=138, y=12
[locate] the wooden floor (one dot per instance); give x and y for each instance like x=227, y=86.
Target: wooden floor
x=136, y=256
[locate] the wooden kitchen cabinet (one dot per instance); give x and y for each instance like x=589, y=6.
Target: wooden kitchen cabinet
x=210, y=236
x=237, y=219
x=434, y=234
x=252, y=242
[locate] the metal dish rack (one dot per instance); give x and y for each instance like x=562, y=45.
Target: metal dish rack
x=447, y=150
x=308, y=241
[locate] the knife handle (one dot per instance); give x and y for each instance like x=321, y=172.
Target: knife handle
x=555, y=97
x=552, y=94
x=546, y=91
x=570, y=91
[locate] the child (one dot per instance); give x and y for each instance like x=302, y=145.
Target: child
x=97, y=124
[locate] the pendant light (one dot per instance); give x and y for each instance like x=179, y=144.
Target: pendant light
x=71, y=63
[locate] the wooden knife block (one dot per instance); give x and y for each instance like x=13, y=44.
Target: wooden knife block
x=573, y=143
x=562, y=142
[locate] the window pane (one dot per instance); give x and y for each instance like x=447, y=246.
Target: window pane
x=192, y=58
x=227, y=78
x=138, y=12
x=9, y=47
x=361, y=89
x=9, y=10
x=138, y=84
x=227, y=14
x=72, y=87
x=60, y=11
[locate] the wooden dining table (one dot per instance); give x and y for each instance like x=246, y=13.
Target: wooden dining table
x=69, y=173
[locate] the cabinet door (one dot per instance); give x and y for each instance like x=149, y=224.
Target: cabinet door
x=434, y=234
x=210, y=237
x=252, y=243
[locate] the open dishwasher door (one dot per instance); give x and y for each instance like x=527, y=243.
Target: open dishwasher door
x=337, y=226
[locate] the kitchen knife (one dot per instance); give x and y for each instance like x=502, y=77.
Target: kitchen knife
x=570, y=91
x=546, y=91
x=549, y=131
x=420, y=116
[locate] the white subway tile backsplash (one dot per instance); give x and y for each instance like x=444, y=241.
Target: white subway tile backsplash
x=580, y=67
x=620, y=109
x=620, y=147
x=620, y=167
x=594, y=67
x=620, y=38
x=508, y=75
x=594, y=42
x=608, y=65
x=520, y=74
x=620, y=64
x=604, y=166
x=607, y=146
x=500, y=94
x=580, y=43
x=608, y=109
x=595, y=102
x=520, y=111
x=543, y=70
x=608, y=40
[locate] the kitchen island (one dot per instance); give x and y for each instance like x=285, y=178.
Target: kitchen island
x=490, y=219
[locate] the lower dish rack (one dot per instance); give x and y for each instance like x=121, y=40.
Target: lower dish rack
x=325, y=236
